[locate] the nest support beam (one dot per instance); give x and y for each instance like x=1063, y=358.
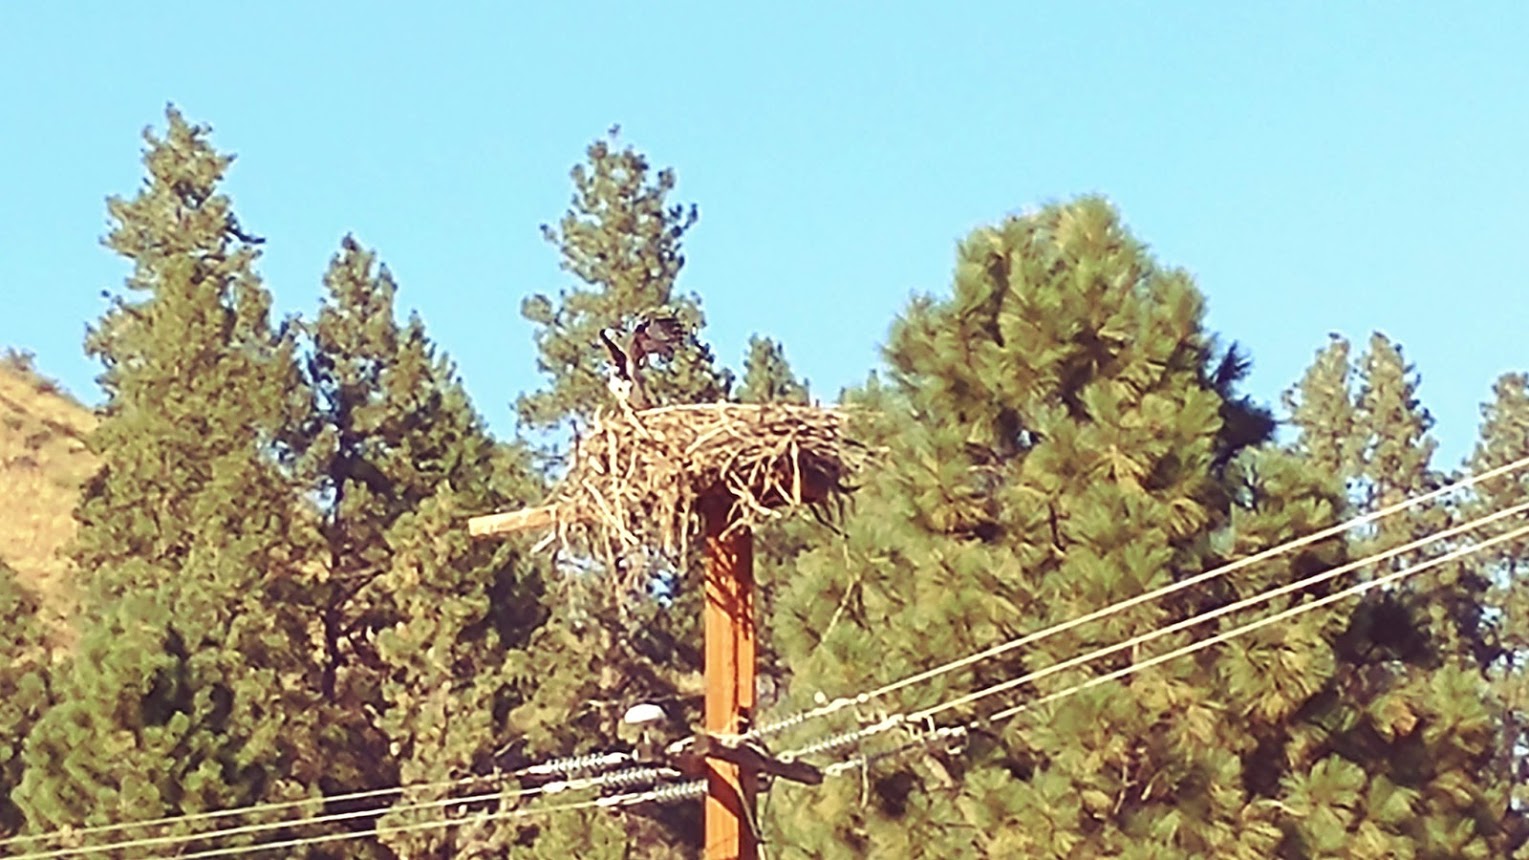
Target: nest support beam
x=522, y=520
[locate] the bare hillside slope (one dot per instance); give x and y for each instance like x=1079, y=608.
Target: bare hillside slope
x=43, y=462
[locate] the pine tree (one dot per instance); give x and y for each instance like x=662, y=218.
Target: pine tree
x=1413, y=656
x=418, y=623
x=622, y=240
x=767, y=376
x=25, y=691
x=1062, y=434
x=1056, y=442
x=1322, y=410
x=1505, y=571
x=188, y=694
x=456, y=665
x=1394, y=450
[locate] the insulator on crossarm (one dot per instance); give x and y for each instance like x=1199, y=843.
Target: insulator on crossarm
x=579, y=763
x=662, y=794
x=847, y=738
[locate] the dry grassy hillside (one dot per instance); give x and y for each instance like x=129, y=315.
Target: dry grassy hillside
x=43, y=462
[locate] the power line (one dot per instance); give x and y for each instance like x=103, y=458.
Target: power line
x=940, y=733
x=661, y=794
x=626, y=777
x=842, y=703
x=568, y=765
x=1326, y=600
x=1229, y=608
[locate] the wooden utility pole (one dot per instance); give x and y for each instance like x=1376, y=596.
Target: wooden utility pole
x=730, y=666
x=724, y=462
x=728, y=622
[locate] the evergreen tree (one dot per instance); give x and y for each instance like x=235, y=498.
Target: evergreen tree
x=1417, y=651
x=198, y=385
x=622, y=240
x=1413, y=655
x=1322, y=410
x=1053, y=431
x=188, y=694
x=1394, y=450
x=457, y=667
x=1063, y=435
x=24, y=686
x=767, y=376
x=1505, y=571
x=415, y=637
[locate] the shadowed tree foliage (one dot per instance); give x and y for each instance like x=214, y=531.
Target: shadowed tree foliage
x=188, y=693
x=416, y=622
x=24, y=686
x=1505, y=569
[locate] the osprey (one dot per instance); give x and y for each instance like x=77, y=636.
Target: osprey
x=629, y=355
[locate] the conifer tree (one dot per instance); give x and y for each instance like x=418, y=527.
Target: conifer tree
x=189, y=691
x=1505, y=571
x=767, y=376
x=622, y=240
x=1321, y=408
x=24, y=686
x=1062, y=435
x=1053, y=430
x=1413, y=655
x=457, y=667
x=414, y=637
x=1367, y=428
x=1394, y=448
x=201, y=333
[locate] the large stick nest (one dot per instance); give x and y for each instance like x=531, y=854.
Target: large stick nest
x=638, y=481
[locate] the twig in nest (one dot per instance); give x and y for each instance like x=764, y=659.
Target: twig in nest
x=640, y=476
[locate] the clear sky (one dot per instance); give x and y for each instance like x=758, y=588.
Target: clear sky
x=1319, y=167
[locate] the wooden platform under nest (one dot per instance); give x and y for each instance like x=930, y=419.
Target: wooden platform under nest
x=641, y=479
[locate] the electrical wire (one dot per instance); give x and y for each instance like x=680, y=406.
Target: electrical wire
x=1212, y=614
x=661, y=794
x=935, y=734
x=842, y=703
x=616, y=778
x=1326, y=600
x=568, y=765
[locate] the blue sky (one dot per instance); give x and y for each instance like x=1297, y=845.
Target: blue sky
x=1319, y=167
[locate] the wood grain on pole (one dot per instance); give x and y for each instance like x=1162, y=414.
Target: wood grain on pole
x=730, y=654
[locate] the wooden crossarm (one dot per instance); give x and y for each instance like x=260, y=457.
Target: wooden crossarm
x=513, y=521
